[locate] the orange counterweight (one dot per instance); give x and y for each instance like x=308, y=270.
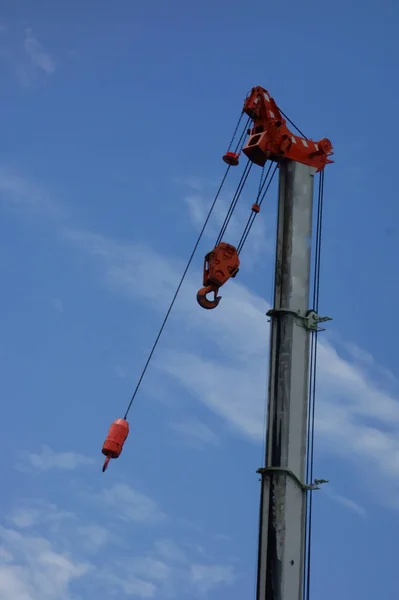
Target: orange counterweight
x=115, y=439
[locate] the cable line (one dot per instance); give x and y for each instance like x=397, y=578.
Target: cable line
x=256, y=207
x=176, y=294
x=312, y=387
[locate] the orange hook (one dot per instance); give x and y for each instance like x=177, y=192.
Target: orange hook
x=219, y=265
x=204, y=301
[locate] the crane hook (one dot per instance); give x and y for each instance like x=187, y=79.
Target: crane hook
x=220, y=264
x=204, y=301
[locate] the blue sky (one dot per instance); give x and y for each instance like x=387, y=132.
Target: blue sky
x=114, y=120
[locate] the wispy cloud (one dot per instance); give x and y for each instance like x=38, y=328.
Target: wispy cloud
x=38, y=561
x=122, y=265
x=344, y=501
x=194, y=432
x=178, y=575
x=151, y=568
x=35, y=568
x=169, y=550
x=209, y=576
x=131, y=505
x=127, y=584
x=94, y=537
x=35, y=512
x=48, y=459
x=25, y=56
x=38, y=56
x=24, y=195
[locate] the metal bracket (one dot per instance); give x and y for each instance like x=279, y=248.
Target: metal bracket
x=312, y=321
x=319, y=482
x=309, y=321
x=306, y=487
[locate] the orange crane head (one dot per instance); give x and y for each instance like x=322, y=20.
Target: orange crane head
x=270, y=138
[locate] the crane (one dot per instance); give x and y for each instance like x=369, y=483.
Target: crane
x=286, y=478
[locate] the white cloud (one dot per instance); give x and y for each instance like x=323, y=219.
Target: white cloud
x=34, y=512
x=207, y=577
x=128, y=584
x=193, y=183
x=5, y=555
x=344, y=501
x=124, y=264
x=223, y=389
x=25, y=517
x=150, y=568
x=174, y=572
x=36, y=569
x=94, y=537
x=37, y=562
x=197, y=210
x=131, y=505
x=169, y=550
x=48, y=459
x=39, y=58
x=195, y=432
x=27, y=59
x=20, y=193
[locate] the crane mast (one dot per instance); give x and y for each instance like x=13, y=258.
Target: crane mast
x=282, y=526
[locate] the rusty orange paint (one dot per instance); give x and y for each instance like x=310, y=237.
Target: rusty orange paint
x=114, y=441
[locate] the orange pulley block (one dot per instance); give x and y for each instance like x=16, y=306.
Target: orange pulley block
x=116, y=437
x=231, y=158
x=220, y=264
